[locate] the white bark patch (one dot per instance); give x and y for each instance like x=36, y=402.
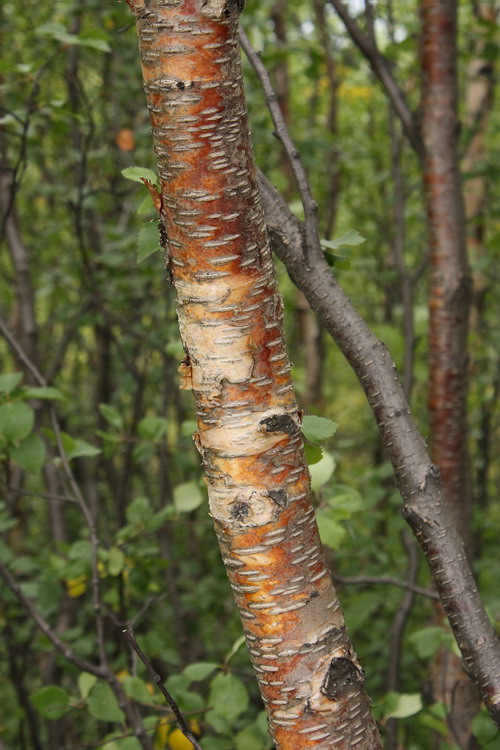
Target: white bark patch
x=217, y=353
x=218, y=350
x=241, y=437
x=240, y=506
x=213, y=8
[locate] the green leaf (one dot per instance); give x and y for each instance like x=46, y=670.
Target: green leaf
x=16, y=421
x=252, y=738
x=343, y=497
x=218, y=722
x=317, y=429
x=313, y=453
x=139, y=510
x=86, y=682
x=228, y=696
x=401, y=705
x=9, y=381
x=331, y=532
x=102, y=704
x=30, y=454
x=485, y=731
x=350, y=238
x=146, y=206
x=111, y=415
x=125, y=743
x=152, y=428
x=138, y=174
x=51, y=702
x=52, y=29
x=116, y=561
x=322, y=472
x=75, y=448
x=428, y=640
x=136, y=689
x=148, y=241
x=199, y=670
x=47, y=392
x=187, y=497
x=92, y=41
x=235, y=648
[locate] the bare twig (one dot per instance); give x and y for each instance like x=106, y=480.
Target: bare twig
x=312, y=247
x=397, y=630
x=128, y=632
x=37, y=617
x=387, y=581
x=382, y=69
x=94, y=542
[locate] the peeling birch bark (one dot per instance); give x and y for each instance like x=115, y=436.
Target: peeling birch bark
x=230, y=317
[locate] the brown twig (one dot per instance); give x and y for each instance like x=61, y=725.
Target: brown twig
x=381, y=67
x=387, y=581
x=37, y=617
x=128, y=632
x=312, y=246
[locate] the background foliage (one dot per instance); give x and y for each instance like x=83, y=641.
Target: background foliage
x=104, y=337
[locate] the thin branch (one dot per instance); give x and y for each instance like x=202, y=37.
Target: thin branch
x=312, y=247
x=387, y=581
x=94, y=542
x=416, y=476
x=382, y=69
x=37, y=617
x=128, y=632
x=43, y=495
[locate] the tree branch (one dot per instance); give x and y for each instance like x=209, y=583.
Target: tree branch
x=37, y=617
x=416, y=476
x=128, y=632
x=381, y=67
x=312, y=247
x=387, y=581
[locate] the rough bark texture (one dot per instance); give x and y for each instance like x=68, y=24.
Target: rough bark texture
x=449, y=305
x=416, y=475
x=236, y=364
x=449, y=293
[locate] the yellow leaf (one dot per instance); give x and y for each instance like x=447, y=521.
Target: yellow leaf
x=177, y=741
x=195, y=727
x=76, y=586
x=162, y=730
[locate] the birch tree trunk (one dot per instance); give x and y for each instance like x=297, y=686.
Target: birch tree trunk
x=230, y=317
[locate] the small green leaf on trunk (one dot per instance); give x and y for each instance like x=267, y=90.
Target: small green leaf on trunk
x=317, y=429
x=138, y=174
x=148, y=241
x=322, y=472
